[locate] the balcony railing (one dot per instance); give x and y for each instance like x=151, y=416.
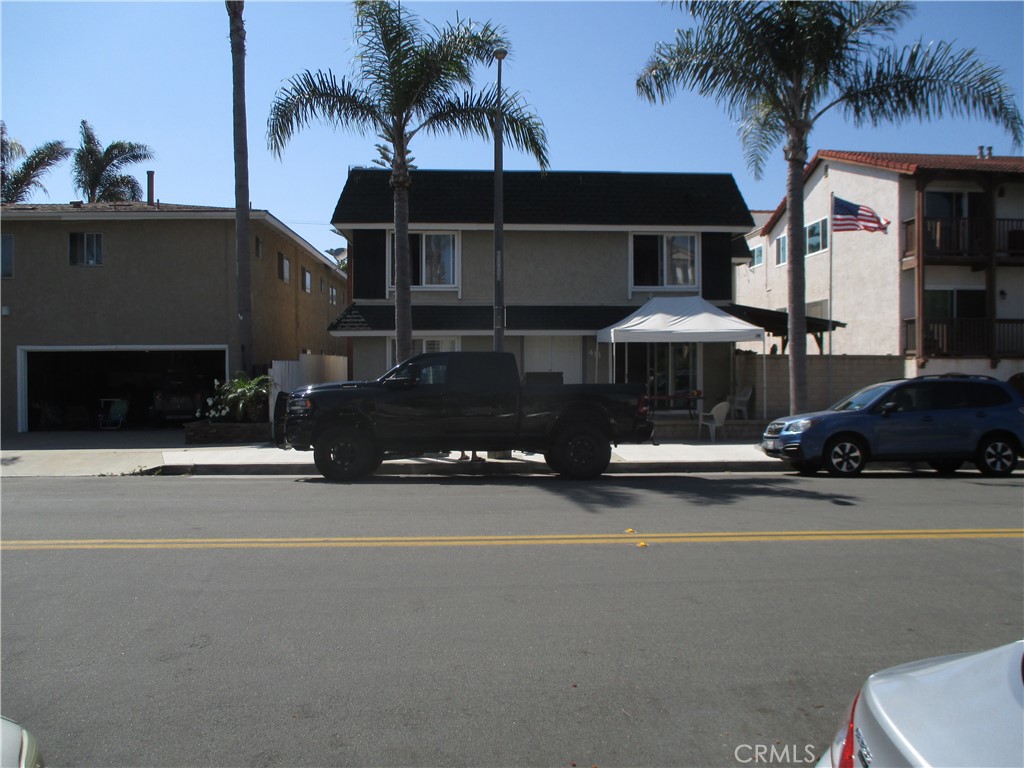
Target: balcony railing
x=966, y=337
x=967, y=240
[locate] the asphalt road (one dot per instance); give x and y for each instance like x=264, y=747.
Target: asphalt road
x=648, y=621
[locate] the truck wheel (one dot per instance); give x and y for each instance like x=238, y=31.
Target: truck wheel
x=346, y=453
x=996, y=457
x=552, y=461
x=581, y=452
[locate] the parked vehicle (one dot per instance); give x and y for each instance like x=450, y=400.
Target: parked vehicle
x=945, y=420
x=18, y=749
x=441, y=402
x=963, y=710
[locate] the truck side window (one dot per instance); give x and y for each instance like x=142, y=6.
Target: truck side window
x=434, y=372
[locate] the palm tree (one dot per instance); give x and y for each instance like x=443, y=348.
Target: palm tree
x=96, y=171
x=243, y=273
x=780, y=66
x=16, y=184
x=409, y=81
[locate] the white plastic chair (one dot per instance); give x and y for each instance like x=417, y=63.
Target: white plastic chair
x=714, y=421
x=739, y=402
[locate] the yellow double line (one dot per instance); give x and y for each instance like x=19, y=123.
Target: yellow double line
x=631, y=537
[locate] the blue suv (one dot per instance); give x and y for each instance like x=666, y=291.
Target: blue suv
x=944, y=420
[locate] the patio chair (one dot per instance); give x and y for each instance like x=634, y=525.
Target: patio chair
x=115, y=416
x=714, y=420
x=739, y=402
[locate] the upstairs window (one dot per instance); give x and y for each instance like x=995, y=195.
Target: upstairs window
x=85, y=249
x=781, y=251
x=7, y=254
x=432, y=259
x=307, y=280
x=817, y=236
x=332, y=293
x=284, y=268
x=757, y=256
x=665, y=261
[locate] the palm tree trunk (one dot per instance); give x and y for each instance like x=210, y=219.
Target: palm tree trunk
x=243, y=256
x=400, y=183
x=796, y=157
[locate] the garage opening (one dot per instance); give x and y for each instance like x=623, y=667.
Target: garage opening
x=69, y=390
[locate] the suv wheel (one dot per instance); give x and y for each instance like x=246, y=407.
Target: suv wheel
x=845, y=456
x=346, y=453
x=996, y=456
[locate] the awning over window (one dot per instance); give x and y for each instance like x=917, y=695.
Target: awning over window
x=679, y=319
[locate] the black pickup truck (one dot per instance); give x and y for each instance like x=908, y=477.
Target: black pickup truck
x=459, y=401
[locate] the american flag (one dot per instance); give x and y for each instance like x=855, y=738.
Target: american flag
x=849, y=217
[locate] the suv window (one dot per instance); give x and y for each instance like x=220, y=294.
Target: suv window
x=912, y=397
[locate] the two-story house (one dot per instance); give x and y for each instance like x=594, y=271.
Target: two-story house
x=137, y=302
x=582, y=252
x=941, y=289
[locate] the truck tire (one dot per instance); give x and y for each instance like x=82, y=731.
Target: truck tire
x=346, y=453
x=581, y=452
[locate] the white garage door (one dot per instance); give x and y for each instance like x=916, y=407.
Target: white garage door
x=555, y=353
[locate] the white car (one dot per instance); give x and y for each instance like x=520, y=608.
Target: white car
x=17, y=747
x=963, y=710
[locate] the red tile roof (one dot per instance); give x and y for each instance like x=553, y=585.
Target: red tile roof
x=909, y=164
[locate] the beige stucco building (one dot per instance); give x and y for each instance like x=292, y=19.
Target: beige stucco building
x=124, y=300
x=942, y=288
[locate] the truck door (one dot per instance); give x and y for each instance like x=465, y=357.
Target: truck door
x=484, y=399
x=412, y=410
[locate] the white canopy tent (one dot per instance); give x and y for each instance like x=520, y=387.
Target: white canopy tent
x=682, y=319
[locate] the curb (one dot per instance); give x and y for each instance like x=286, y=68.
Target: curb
x=491, y=468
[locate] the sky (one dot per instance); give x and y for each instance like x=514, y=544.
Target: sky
x=160, y=73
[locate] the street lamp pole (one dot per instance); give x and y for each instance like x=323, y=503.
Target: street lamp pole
x=499, y=218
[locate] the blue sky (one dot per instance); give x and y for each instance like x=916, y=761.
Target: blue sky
x=160, y=73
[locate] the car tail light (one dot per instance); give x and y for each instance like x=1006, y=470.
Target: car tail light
x=846, y=756
x=644, y=407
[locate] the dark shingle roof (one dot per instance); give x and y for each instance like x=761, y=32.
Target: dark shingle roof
x=553, y=198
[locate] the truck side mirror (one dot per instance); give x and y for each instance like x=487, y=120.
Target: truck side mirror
x=408, y=376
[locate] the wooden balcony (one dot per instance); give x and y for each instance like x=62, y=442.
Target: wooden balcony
x=966, y=338
x=967, y=242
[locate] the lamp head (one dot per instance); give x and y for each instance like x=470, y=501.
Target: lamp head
x=500, y=54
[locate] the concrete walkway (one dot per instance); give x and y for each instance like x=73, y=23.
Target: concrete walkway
x=130, y=452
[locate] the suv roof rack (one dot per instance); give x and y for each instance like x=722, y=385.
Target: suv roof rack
x=958, y=376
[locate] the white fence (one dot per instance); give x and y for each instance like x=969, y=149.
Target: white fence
x=286, y=375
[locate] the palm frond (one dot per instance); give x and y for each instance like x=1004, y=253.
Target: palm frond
x=19, y=183
x=118, y=188
x=319, y=97
x=760, y=132
x=927, y=82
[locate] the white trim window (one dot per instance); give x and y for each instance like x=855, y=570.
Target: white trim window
x=85, y=249
x=756, y=256
x=781, y=250
x=664, y=261
x=307, y=280
x=816, y=234
x=434, y=260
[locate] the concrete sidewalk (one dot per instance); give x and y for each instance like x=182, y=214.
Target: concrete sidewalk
x=84, y=454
